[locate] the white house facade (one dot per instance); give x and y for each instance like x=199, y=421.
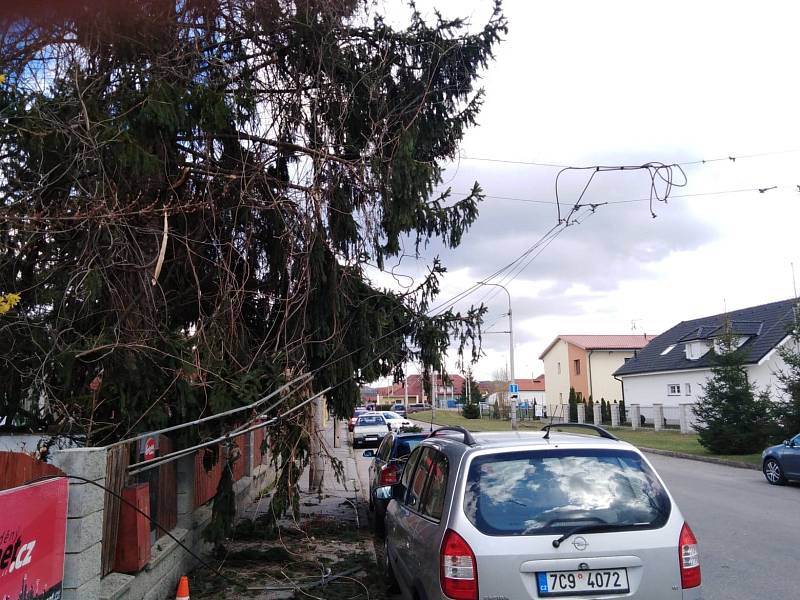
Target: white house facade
x=675, y=366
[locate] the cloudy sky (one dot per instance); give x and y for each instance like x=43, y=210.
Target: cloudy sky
x=612, y=83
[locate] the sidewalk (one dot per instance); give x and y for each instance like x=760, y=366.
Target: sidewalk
x=343, y=500
x=327, y=553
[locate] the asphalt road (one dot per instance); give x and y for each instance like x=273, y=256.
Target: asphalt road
x=748, y=530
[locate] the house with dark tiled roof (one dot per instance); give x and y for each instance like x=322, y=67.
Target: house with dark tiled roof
x=587, y=364
x=673, y=367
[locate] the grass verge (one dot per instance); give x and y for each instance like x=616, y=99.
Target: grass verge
x=669, y=440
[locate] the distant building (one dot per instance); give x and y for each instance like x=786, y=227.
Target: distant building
x=587, y=363
x=530, y=391
x=445, y=393
x=673, y=368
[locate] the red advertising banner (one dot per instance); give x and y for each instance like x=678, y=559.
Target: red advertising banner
x=33, y=526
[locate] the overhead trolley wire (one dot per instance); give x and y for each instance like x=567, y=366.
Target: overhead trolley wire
x=687, y=163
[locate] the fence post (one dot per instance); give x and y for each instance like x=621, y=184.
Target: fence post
x=581, y=413
x=658, y=416
x=185, y=486
x=83, y=550
x=685, y=427
x=615, y=415
x=565, y=412
x=636, y=416
x=597, y=416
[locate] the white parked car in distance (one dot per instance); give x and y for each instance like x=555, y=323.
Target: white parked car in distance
x=370, y=428
x=395, y=421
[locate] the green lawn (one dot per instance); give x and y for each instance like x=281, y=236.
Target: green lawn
x=671, y=440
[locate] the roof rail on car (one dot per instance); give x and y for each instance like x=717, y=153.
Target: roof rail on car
x=468, y=439
x=604, y=433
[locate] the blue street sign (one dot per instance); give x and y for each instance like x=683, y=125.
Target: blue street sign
x=513, y=388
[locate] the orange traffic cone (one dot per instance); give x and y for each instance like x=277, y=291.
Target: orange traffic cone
x=183, y=589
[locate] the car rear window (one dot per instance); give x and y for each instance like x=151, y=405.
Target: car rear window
x=551, y=491
x=406, y=445
x=370, y=420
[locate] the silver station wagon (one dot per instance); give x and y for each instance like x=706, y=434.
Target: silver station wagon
x=526, y=515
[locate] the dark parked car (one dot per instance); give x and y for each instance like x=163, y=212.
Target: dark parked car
x=782, y=462
x=400, y=409
x=418, y=407
x=352, y=422
x=388, y=462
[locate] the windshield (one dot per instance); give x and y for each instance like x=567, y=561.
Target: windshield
x=552, y=491
x=392, y=415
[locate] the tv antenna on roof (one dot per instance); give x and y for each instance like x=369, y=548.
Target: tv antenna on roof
x=633, y=324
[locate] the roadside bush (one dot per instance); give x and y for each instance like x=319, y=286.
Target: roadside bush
x=471, y=411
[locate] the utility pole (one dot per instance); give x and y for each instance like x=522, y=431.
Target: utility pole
x=512, y=384
x=469, y=387
x=405, y=387
x=316, y=471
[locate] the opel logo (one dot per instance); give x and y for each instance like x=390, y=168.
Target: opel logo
x=580, y=543
x=583, y=567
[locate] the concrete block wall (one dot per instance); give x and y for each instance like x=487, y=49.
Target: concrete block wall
x=158, y=580
x=82, y=562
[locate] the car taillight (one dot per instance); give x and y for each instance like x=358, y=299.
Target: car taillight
x=458, y=572
x=388, y=474
x=688, y=558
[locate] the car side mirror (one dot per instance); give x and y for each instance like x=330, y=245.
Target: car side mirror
x=389, y=426
x=390, y=492
x=785, y=442
x=368, y=454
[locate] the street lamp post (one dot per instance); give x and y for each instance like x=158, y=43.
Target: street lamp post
x=512, y=381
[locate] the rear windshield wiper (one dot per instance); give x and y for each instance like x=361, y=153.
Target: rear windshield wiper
x=595, y=527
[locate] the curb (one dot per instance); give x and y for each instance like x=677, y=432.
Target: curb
x=706, y=459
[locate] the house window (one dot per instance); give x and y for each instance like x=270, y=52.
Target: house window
x=674, y=389
x=559, y=368
x=577, y=366
x=688, y=388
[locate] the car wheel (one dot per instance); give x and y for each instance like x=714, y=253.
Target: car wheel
x=388, y=573
x=773, y=472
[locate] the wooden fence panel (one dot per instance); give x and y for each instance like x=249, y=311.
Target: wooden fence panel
x=258, y=439
x=240, y=465
x=205, y=482
x=17, y=468
x=117, y=461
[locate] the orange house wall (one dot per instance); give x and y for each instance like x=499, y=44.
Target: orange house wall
x=579, y=382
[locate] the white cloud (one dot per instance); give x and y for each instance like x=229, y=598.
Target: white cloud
x=597, y=83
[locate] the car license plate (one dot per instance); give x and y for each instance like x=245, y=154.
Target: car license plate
x=372, y=438
x=578, y=583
